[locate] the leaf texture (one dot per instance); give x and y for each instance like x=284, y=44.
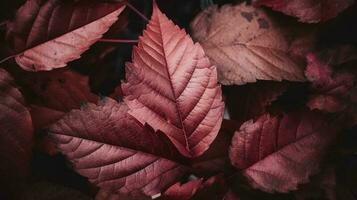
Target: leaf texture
x=48, y=34
x=15, y=137
x=251, y=47
x=278, y=153
x=172, y=86
x=115, y=151
x=310, y=11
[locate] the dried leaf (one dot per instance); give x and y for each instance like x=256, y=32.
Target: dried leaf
x=310, y=11
x=172, y=86
x=15, y=137
x=115, y=151
x=279, y=153
x=250, y=47
x=48, y=34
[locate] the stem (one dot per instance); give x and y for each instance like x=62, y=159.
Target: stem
x=118, y=41
x=137, y=11
x=7, y=58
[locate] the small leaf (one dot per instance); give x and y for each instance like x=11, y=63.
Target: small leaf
x=115, y=152
x=310, y=11
x=48, y=34
x=279, y=153
x=246, y=45
x=172, y=86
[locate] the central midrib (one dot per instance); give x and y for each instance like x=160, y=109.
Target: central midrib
x=172, y=87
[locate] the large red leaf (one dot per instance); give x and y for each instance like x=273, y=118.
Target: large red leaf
x=310, y=11
x=15, y=136
x=172, y=86
x=48, y=34
x=115, y=151
x=278, y=153
x=251, y=47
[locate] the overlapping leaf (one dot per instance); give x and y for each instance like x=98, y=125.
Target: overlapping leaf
x=15, y=137
x=249, y=47
x=172, y=86
x=279, y=153
x=48, y=34
x=310, y=11
x=115, y=151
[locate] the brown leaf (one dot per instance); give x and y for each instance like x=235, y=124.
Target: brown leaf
x=246, y=45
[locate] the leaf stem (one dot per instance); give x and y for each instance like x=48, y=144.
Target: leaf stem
x=118, y=40
x=137, y=11
x=7, y=58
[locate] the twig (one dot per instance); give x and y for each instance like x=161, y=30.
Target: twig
x=137, y=11
x=118, y=40
x=7, y=58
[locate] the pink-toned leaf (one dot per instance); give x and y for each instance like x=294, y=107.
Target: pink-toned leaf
x=310, y=11
x=48, y=34
x=323, y=78
x=251, y=47
x=172, y=86
x=115, y=151
x=279, y=153
x=15, y=136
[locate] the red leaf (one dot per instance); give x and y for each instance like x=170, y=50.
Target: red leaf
x=48, y=34
x=115, y=151
x=172, y=86
x=310, y=11
x=15, y=136
x=278, y=153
